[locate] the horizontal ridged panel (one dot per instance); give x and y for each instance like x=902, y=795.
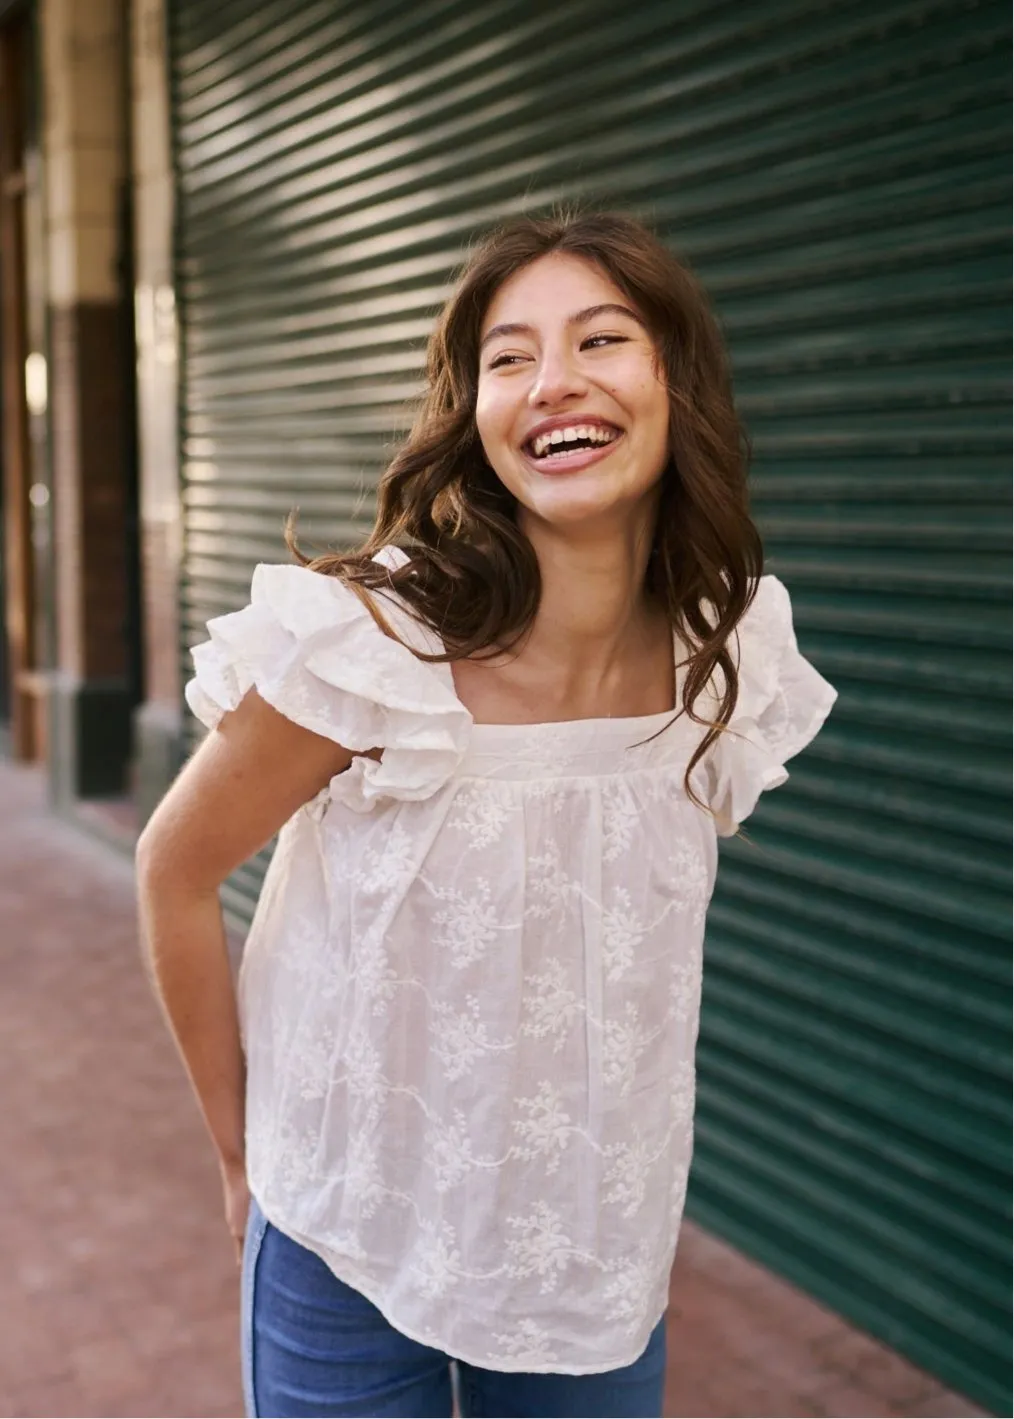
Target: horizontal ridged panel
x=839, y=176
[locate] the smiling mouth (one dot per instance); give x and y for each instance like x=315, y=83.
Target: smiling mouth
x=559, y=444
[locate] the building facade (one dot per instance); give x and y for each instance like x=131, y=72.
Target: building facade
x=72, y=644
x=303, y=182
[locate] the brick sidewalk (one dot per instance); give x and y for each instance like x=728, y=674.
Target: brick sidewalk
x=117, y=1284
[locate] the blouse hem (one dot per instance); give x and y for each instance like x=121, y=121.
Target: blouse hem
x=347, y=1273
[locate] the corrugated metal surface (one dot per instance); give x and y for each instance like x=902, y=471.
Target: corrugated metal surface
x=838, y=174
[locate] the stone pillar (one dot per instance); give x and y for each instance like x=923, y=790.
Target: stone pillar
x=85, y=143
x=157, y=723
x=17, y=650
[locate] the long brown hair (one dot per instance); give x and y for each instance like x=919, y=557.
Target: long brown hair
x=472, y=575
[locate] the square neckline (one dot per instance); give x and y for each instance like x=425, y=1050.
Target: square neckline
x=625, y=723
x=502, y=730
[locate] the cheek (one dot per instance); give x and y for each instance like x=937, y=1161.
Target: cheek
x=494, y=423
x=656, y=406
x=653, y=418
x=643, y=392
x=492, y=415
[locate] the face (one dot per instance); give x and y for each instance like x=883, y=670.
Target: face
x=572, y=412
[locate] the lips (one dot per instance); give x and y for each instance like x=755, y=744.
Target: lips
x=573, y=460
x=569, y=442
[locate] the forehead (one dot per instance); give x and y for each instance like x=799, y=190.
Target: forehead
x=550, y=289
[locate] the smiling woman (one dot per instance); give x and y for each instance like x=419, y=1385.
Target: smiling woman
x=558, y=323
x=500, y=741
x=592, y=358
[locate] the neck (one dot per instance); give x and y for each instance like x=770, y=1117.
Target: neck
x=593, y=598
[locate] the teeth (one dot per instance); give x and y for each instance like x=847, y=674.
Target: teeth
x=590, y=433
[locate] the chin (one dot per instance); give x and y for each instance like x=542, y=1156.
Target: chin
x=574, y=500
x=577, y=510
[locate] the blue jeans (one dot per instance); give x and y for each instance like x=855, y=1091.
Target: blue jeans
x=313, y=1346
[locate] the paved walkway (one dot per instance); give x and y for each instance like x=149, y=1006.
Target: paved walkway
x=117, y=1285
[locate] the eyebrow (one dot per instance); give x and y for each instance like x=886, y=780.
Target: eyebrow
x=580, y=317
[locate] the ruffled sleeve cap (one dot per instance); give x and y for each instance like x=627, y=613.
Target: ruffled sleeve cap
x=782, y=703
x=311, y=649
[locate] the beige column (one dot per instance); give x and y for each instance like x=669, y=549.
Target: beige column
x=157, y=722
x=27, y=734
x=84, y=153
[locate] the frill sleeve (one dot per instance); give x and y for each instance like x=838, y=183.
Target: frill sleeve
x=312, y=650
x=782, y=704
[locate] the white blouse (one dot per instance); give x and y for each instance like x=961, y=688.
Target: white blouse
x=469, y=996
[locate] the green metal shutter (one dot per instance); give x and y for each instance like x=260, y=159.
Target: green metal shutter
x=838, y=174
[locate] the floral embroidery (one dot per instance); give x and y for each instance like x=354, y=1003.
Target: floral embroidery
x=299, y=1157
x=543, y=1248
x=684, y=988
x=619, y=820
x=449, y=1150
x=682, y=1091
x=316, y=1064
x=362, y=1174
x=468, y=924
x=626, y=1039
x=622, y=932
x=627, y=1174
x=545, y=1127
x=373, y=972
x=527, y=1347
x=633, y=1280
x=437, y=1259
x=550, y=889
x=550, y=1005
x=389, y=869
x=364, y=1076
x=480, y=815
x=462, y=1036
x=691, y=872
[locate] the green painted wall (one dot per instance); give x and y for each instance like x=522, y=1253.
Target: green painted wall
x=839, y=176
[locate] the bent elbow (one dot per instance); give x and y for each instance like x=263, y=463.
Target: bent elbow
x=158, y=861
x=148, y=853
x=171, y=859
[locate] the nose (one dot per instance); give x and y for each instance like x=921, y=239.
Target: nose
x=557, y=379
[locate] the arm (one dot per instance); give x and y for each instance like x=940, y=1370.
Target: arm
x=244, y=782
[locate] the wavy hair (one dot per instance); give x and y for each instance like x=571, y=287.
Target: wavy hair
x=472, y=576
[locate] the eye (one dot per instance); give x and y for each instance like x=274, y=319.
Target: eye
x=498, y=361
x=596, y=342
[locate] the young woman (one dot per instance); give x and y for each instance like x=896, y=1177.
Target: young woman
x=499, y=742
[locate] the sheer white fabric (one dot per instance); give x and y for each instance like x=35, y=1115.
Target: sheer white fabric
x=470, y=993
